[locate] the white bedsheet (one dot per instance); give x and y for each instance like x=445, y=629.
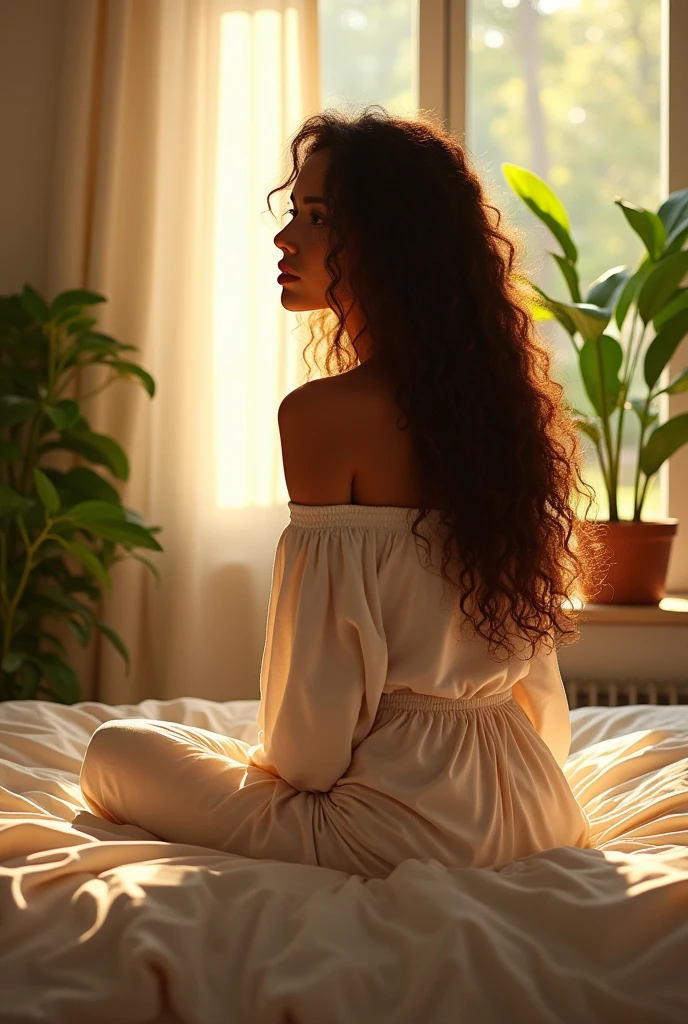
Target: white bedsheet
x=100, y=922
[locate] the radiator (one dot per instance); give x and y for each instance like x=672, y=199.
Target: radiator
x=611, y=693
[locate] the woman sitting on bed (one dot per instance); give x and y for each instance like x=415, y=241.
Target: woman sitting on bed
x=434, y=458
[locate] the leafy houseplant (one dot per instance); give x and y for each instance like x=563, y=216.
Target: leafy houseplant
x=653, y=292
x=46, y=515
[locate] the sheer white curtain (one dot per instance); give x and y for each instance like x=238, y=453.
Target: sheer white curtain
x=175, y=119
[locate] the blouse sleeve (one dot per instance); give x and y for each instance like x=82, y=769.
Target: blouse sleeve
x=542, y=696
x=325, y=657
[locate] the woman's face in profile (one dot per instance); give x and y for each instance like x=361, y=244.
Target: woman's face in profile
x=304, y=239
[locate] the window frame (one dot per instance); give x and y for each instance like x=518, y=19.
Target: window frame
x=442, y=86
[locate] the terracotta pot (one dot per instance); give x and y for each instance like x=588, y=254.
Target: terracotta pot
x=640, y=553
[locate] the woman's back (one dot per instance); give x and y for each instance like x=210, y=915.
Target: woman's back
x=386, y=470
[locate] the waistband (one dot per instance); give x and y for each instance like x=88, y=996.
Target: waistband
x=407, y=701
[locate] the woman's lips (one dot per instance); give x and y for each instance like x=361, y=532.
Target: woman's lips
x=287, y=278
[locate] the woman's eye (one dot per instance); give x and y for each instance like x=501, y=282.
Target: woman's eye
x=292, y=211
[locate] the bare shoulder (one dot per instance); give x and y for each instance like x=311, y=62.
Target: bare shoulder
x=344, y=397
x=323, y=397
x=318, y=455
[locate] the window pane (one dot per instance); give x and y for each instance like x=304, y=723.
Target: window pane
x=369, y=54
x=570, y=89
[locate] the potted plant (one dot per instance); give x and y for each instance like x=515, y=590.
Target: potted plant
x=652, y=295
x=49, y=518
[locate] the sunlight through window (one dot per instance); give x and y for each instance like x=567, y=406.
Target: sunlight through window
x=258, y=97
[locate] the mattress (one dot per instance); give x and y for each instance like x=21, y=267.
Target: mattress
x=104, y=922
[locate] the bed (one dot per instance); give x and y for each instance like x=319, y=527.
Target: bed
x=103, y=922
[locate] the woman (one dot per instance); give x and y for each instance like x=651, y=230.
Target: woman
x=384, y=735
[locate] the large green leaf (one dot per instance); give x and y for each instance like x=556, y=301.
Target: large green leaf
x=68, y=315
x=608, y=352
x=46, y=492
x=630, y=290
x=20, y=619
x=97, y=448
x=55, y=640
x=539, y=197
x=52, y=597
x=124, y=533
x=569, y=273
x=13, y=316
x=677, y=303
x=64, y=414
x=87, y=512
x=81, y=324
x=647, y=225
x=606, y=290
x=663, y=442
x=62, y=680
x=539, y=312
x=663, y=345
x=34, y=304
x=86, y=484
x=30, y=680
x=661, y=283
x=125, y=369
x=29, y=379
x=17, y=409
x=12, y=661
x=147, y=562
x=81, y=630
x=116, y=641
x=88, y=558
x=74, y=297
x=37, y=610
x=12, y=503
x=98, y=343
x=10, y=451
x=645, y=416
x=588, y=427
x=81, y=585
x=677, y=385
x=48, y=550
x=588, y=320
x=529, y=296
x=674, y=215
x=116, y=457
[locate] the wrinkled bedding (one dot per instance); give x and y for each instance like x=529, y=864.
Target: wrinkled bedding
x=103, y=922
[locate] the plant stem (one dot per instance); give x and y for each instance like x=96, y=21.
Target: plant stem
x=637, y=504
x=29, y=458
x=613, y=514
x=642, y=496
x=28, y=565
x=3, y=571
x=625, y=386
x=101, y=387
x=52, y=339
x=603, y=466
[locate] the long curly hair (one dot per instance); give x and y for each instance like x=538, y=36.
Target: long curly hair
x=490, y=429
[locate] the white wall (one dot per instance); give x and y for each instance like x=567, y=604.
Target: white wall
x=31, y=33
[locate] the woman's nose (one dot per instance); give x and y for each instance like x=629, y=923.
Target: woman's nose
x=283, y=244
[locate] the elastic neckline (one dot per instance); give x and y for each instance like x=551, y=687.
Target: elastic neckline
x=379, y=516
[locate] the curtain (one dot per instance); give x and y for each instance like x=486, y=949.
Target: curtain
x=174, y=122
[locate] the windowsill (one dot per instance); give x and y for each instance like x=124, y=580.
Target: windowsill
x=671, y=611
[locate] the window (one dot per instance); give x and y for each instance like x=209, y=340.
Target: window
x=457, y=81
x=570, y=89
x=369, y=54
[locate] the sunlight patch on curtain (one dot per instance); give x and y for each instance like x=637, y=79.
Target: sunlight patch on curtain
x=256, y=357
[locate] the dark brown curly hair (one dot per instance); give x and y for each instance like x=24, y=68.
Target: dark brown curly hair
x=490, y=428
